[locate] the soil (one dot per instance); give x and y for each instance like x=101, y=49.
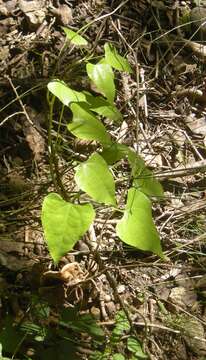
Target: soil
x=165, y=97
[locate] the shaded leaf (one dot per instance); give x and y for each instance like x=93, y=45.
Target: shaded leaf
x=103, y=78
x=93, y=177
x=1, y=356
x=118, y=356
x=102, y=107
x=98, y=355
x=135, y=347
x=10, y=336
x=147, y=183
x=86, y=126
x=64, y=93
x=115, y=60
x=86, y=323
x=122, y=326
x=64, y=223
x=137, y=228
x=75, y=38
x=136, y=162
x=144, y=179
x=59, y=350
x=114, y=153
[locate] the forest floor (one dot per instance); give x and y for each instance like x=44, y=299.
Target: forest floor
x=136, y=305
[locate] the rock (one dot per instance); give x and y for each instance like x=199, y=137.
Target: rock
x=95, y=312
x=30, y=6
x=63, y=14
x=35, y=19
x=110, y=308
x=34, y=11
x=121, y=289
x=7, y=7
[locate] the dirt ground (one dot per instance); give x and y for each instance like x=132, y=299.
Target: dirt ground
x=164, y=300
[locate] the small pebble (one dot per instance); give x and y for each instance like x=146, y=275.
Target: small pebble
x=110, y=308
x=121, y=289
x=107, y=298
x=95, y=312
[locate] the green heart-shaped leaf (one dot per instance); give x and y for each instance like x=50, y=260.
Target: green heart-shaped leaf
x=93, y=177
x=103, y=77
x=102, y=107
x=75, y=38
x=86, y=126
x=137, y=228
x=115, y=60
x=64, y=223
x=65, y=94
x=135, y=347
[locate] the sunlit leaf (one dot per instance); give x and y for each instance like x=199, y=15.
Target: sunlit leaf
x=102, y=107
x=93, y=177
x=64, y=93
x=75, y=38
x=137, y=228
x=115, y=60
x=86, y=126
x=64, y=223
x=103, y=77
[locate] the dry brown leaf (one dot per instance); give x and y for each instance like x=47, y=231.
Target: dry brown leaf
x=194, y=335
x=33, y=137
x=197, y=126
x=182, y=297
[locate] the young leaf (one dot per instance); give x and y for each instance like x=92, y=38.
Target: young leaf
x=94, y=177
x=102, y=107
x=86, y=126
x=64, y=223
x=137, y=228
x=135, y=347
x=115, y=60
x=103, y=77
x=65, y=94
x=75, y=38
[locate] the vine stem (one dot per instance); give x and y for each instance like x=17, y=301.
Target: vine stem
x=53, y=160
